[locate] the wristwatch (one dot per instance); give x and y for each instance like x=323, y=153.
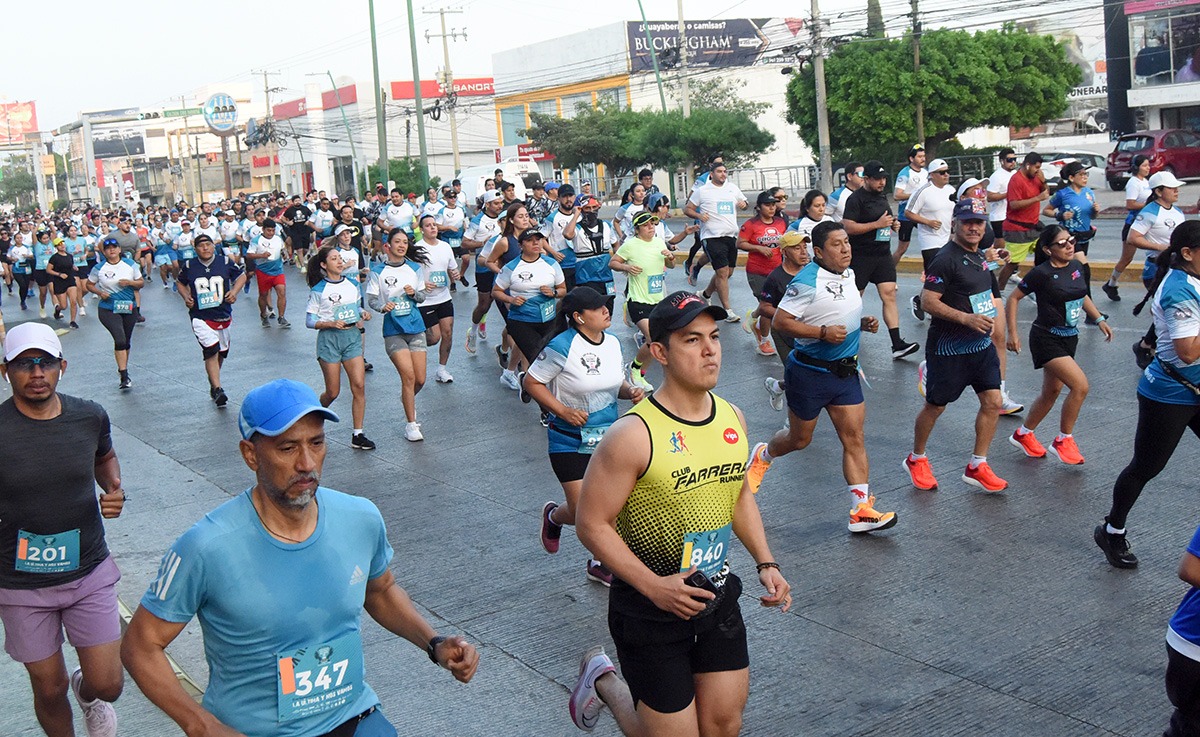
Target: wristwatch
x=431, y=648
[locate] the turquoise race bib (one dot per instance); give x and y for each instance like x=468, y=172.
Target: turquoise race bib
x=609, y=288
x=1074, y=309
x=655, y=284
x=319, y=678
x=706, y=551
x=402, y=306
x=548, y=310
x=725, y=208
x=438, y=278
x=589, y=438
x=207, y=300
x=346, y=313
x=57, y=553
x=982, y=304
x=883, y=235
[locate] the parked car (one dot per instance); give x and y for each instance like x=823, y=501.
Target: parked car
x=1054, y=161
x=1171, y=149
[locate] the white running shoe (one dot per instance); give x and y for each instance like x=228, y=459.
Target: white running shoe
x=776, y=392
x=585, y=701
x=443, y=376
x=921, y=378
x=639, y=380
x=509, y=379
x=471, y=340
x=82, y=310
x=412, y=432
x=99, y=716
x=42, y=312
x=1008, y=406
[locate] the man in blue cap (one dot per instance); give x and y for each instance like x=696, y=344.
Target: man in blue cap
x=278, y=577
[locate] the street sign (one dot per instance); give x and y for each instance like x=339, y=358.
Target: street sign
x=220, y=112
x=182, y=112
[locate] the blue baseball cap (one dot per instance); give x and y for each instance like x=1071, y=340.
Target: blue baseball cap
x=272, y=408
x=550, y=185
x=970, y=209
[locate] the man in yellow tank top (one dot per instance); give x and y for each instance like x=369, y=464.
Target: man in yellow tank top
x=664, y=494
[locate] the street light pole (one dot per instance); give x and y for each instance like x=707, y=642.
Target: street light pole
x=380, y=125
x=818, y=58
x=349, y=135
x=662, y=96
x=412, y=45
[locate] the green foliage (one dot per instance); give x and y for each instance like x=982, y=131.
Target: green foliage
x=406, y=173
x=967, y=80
x=875, y=27
x=18, y=187
x=716, y=93
x=60, y=204
x=625, y=140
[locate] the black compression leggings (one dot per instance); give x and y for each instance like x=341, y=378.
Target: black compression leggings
x=530, y=337
x=119, y=326
x=1159, y=429
x=22, y=284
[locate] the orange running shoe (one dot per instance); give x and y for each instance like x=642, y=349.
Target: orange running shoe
x=864, y=518
x=1028, y=444
x=920, y=472
x=756, y=468
x=982, y=477
x=1067, y=451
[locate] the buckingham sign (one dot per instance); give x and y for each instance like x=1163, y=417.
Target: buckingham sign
x=733, y=42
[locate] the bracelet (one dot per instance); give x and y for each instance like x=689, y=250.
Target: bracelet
x=823, y=328
x=767, y=564
x=431, y=648
x=1102, y=318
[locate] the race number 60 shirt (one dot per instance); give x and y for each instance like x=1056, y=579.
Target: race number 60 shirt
x=209, y=284
x=281, y=621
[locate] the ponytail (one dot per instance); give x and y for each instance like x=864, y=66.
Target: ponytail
x=1186, y=235
x=316, y=265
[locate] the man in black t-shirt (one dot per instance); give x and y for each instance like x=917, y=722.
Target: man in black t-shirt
x=55, y=567
x=869, y=223
x=299, y=234
x=962, y=300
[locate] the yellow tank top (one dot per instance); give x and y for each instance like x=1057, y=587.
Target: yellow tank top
x=680, y=512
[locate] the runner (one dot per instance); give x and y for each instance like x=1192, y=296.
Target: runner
x=693, y=265
x=869, y=223
x=963, y=301
x=56, y=572
x=438, y=270
x=208, y=285
x=322, y=221
x=1026, y=191
x=560, y=227
x=836, y=206
x=1169, y=391
x=997, y=192
x=760, y=237
x=266, y=251
x=395, y=288
x=822, y=312
x=78, y=248
x=1137, y=192
x=277, y=667
x=22, y=259
x=299, y=237
x=501, y=250
x=43, y=249
x=908, y=181
x=1060, y=285
x=660, y=515
x=578, y=379
x=1183, y=649
x=529, y=285
x=451, y=222
x=397, y=213
x=931, y=208
x=714, y=205
x=115, y=282
x=812, y=211
x=249, y=229
x=632, y=202
x=1151, y=231
x=1074, y=206
x=593, y=243
x=484, y=226
x=794, y=250
x=61, y=270
x=644, y=258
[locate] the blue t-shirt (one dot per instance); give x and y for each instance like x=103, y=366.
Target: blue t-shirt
x=388, y=281
x=261, y=601
x=1079, y=203
x=1176, y=312
x=1184, y=632
x=209, y=284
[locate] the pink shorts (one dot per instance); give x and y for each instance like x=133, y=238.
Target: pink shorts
x=34, y=619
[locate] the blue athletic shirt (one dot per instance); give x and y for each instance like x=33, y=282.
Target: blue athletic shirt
x=105, y=276
x=582, y=375
x=818, y=296
x=1079, y=203
x=260, y=600
x=521, y=278
x=388, y=281
x=1183, y=633
x=273, y=247
x=1176, y=311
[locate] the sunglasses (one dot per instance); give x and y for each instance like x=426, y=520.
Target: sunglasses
x=1068, y=241
x=25, y=365
x=1011, y=160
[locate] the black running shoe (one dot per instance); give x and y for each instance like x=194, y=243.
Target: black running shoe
x=902, y=349
x=524, y=394
x=1111, y=292
x=126, y=383
x=545, y=419
x=361, y=442
x=219, y=397
x=502, y=356
x=1115, y=547
x=368, y=366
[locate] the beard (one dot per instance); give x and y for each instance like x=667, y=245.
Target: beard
x=281, y=498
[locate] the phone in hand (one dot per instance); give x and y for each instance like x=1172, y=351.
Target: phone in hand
x=698, y=580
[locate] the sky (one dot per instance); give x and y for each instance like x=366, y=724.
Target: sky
x=143, y=53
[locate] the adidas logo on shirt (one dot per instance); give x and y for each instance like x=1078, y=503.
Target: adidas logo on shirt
x=357, y=577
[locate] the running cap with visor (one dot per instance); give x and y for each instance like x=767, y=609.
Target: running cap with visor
x=678, y=311
x=642, y=218
x=874, y=170
x=272, y=408
x=32, y=336
x=970, y=209
x=582, y=298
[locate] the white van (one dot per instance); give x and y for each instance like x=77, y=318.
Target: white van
x=522, y=171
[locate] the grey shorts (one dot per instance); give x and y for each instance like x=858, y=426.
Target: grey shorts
x=335, y=346
x=410, y=342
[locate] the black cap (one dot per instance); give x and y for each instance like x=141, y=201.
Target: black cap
x=580, y=299
x=530, y=235
x=678, y=310
x=566, y=191
x=874, y=170
x=202, y=238
x=765, y=198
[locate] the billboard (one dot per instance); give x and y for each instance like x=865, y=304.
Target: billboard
x=17, y=119
x=112, y=143
x=465, y=87
x=731, y=42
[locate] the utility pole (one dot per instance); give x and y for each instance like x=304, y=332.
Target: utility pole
x=193, y=165
x=662, y=96
x=818, y=60
x=916, y=34
x=412, y=46
x=276, y=174
x=380, y=125
x=448, y=74
x=346, y=123
x=684, y=93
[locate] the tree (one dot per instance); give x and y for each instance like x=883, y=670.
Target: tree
x=875, y=20
x=716, y=93
x=967, y=80
x=406, y=173
x=601, y=135
x=18, y=187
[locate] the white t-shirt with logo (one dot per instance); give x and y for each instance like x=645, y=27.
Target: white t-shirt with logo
x=934, y=203
x=721, y=206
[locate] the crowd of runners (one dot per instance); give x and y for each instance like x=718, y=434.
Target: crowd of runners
x=656, y=492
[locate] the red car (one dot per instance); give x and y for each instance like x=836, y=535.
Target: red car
x=1172, y=149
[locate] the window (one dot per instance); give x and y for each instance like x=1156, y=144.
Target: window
x=571, y=103
x=512, y=119
x=1134, y=144
x=545, y=107
x=614, y=97
x=1165, y=47
x=1183, y=117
